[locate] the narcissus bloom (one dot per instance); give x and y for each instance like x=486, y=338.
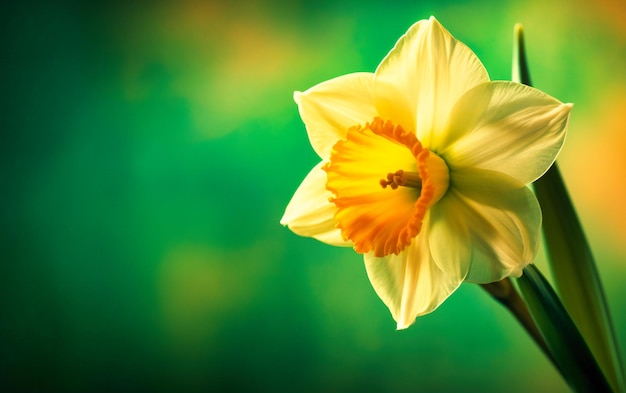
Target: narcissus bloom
x=424, y=167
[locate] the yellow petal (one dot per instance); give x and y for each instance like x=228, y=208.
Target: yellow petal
x=410, y=283
x=330, y=108
x=309, y=213
x=507, y=127
x=419, y=81
x=449, y=237
x=503, y=219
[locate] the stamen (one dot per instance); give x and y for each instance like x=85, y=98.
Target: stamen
x=402, y=178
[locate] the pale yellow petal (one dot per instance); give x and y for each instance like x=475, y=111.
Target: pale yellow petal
x=449, y=237
x=309, y=213
x=503, y=219
x=410, y=284
x=330, y=108
x=507, y=127
x=419, y=81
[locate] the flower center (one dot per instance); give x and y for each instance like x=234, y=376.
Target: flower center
x=383, y=215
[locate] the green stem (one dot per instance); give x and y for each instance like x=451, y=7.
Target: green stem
x=567, y=345
x=504, y=292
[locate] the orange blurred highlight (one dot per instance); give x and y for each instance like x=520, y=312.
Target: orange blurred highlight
x=594, y=165
x=231, y=62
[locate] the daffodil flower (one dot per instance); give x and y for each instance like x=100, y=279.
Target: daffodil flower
x=424, y=167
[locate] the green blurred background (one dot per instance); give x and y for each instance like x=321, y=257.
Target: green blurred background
x=149, y=149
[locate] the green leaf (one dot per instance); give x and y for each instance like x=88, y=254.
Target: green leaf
x=568, y=347
x=571, y=261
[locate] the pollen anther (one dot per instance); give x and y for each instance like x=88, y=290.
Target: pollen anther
x=402, y=178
